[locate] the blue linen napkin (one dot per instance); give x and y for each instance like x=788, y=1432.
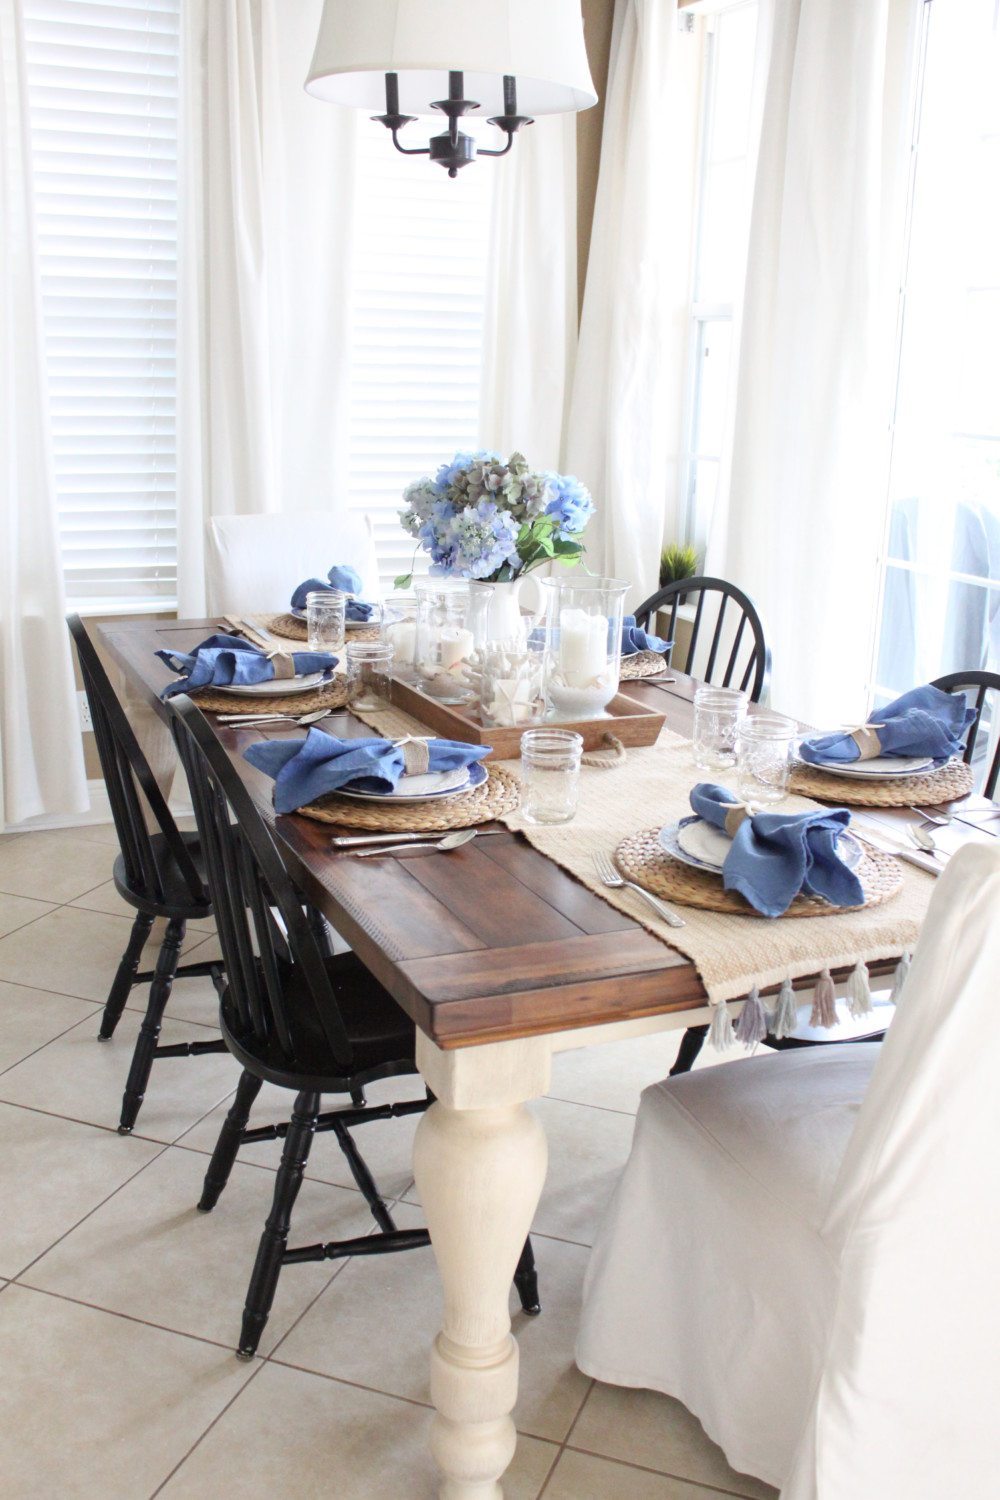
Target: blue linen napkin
x=634, y=638
x=225, y=661
x=777, y=855
x=341, y=579
x=306, y=769
x=924, y=721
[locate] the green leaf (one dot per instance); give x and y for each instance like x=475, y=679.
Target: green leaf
x=403, y=581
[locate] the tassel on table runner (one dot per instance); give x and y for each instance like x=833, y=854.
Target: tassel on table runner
x=751, y=1027
x=824, y=1011
x=720, y=1034
x=786, y=1012
x=899, y=978
x=859, y=995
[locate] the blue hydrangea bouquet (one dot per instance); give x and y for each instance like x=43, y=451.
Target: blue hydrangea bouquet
x=482, y=518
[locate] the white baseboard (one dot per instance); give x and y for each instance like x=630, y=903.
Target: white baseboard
x=99, y=811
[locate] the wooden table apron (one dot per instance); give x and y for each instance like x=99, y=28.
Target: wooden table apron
x=501, y=959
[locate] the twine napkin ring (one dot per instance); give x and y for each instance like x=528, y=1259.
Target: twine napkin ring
x=416, y=754
x=283, y=663
x=866, y=739
x=737, y=815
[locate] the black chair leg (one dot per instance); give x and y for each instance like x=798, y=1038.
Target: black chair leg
x=691, y=1044
x=526, y=1281
x=228, y=1144
x=149, y=1031
x=125, y=977
x=271, y=1250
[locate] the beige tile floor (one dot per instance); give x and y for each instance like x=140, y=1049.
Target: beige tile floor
x=119, y=1302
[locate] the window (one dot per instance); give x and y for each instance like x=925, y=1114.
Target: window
x=421, y=251
x=941, y=604
x=720, y=250
x=103, y=98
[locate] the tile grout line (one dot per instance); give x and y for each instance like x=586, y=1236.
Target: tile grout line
x=201, y=1436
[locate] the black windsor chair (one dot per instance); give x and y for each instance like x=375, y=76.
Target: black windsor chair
x=740, y=660
x=297, y=1017
x=158, y=873
x=980, y=683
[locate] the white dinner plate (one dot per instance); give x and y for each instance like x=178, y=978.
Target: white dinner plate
x=275, y=687
x=883, y=767
x=426, y=788
x=695, y=842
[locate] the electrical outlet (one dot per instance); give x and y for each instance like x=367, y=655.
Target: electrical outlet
x=86, y=722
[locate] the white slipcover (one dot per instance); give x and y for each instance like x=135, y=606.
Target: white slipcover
x=814, y=1276
x=254, y=562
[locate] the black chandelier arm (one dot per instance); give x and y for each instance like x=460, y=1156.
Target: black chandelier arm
x=510, y=125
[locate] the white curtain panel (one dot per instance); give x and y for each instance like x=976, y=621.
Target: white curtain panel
x=266, y=195
x=801, y=526
x=41, y=753
x=530, y=331
x=625, y=418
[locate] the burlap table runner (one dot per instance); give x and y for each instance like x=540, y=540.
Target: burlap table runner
x=731, y=953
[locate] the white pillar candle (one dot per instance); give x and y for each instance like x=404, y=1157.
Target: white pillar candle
x=402, y=636
x=583, y=646
x=454, y=645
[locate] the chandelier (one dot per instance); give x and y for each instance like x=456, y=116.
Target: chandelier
x=400, y=55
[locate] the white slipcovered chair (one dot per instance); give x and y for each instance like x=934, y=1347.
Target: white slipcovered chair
x=804, y=1247
x=254, y=562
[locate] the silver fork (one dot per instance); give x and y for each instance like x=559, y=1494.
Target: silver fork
x=261, y=721
x=609, y=876
x=944, y=820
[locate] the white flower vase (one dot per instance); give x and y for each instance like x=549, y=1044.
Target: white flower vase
x=496, y=614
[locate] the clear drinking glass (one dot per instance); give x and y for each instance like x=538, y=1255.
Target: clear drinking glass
x=550, y=760
x=764, y=746
x=325, y=620
x=718, y=713
x=369, y=668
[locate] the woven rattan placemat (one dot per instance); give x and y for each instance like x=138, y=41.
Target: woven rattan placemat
x=331, y=695
x=946, y=785
x=642, y=664
x=294, y=629
x=498, y=794
x=640, y=858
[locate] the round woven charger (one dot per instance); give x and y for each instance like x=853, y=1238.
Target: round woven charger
x=946, y=785
x=640, y=858
x=331, y=695
x=642, y=664
x=499, y=794
x=294, y=629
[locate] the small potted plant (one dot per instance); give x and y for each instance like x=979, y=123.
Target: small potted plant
x=677, y=561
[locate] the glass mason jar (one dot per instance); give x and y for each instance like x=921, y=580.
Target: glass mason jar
x=718, y=713
x=764, y=748
x=550, y=774
x=583, y=630
x=443, y=640
x=325, y=611
x=369, y=672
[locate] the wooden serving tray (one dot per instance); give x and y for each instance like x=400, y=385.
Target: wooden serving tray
x=630, y=722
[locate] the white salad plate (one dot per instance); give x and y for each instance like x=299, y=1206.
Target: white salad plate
x=426, y=788
x=883, y=767
x=275, y=687
x=705, y=847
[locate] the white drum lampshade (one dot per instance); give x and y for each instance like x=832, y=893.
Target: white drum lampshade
x=539, y=43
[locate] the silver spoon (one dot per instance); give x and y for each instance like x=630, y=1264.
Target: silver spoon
x=925, y=841
x=444, y=846
x=254, y=720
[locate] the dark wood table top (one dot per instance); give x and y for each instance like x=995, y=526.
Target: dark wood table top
x=493, y=942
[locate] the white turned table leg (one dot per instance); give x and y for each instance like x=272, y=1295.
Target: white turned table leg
x=479, y=1173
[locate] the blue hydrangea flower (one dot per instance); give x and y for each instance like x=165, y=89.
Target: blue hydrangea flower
x=569, y=502
x=485, y=538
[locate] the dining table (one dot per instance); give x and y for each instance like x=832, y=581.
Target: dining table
x=502, y=959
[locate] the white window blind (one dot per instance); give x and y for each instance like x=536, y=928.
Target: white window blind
x=103, y=95
x=420, y=262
